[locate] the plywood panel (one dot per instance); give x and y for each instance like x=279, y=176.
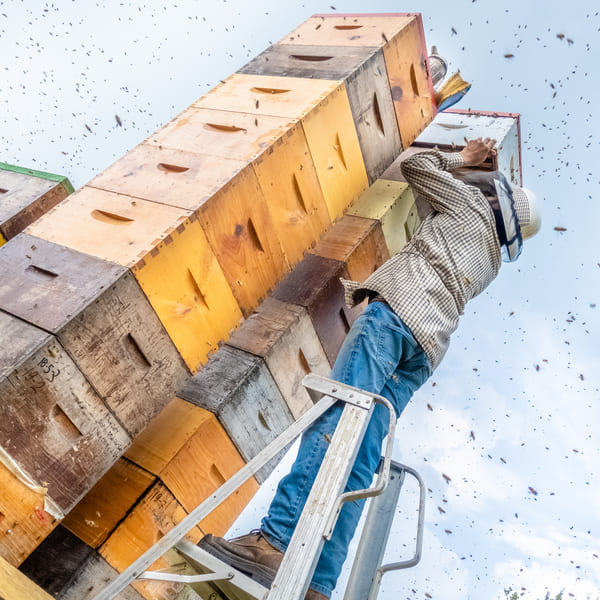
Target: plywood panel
x=233, y=135
x=53, y=425
x=238, y=388
x=283, y=336
x=106, y=504
x=289, y=97
x=240, y=230
x=289, y=183
x=168, y=176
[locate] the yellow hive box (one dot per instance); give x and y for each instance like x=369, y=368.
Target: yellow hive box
x=285, y=172
x=393, y=204
x=240, y=230
x=324, y=110
x=403, y=41
x=192, y=454
x=167, y=251
x=156, y=514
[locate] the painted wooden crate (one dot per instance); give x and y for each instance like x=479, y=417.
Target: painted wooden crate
x=155, y=514
x=450, y=128
x=363, y=71
x=357, y=242
x=403, y=41
x=392, y=204
x=53, y=425
x=98, y=513
x=315, y=285
x=238, y=388
x=100, y=316
x=283, y=336
x=324, y=111
x=191, y=453
x=168, y=253
x=207, y=160
x=25, y=195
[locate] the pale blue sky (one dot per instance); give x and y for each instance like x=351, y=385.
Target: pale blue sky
x=69, y=64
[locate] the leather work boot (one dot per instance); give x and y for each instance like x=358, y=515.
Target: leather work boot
x=251, y=554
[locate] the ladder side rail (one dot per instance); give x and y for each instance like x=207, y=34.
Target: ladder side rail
x=382, y=477
x=300, y=559
x=419, y=541
x=200, y=512
x=374, y=537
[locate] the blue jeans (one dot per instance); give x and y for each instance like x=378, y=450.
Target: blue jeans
x=379, y=355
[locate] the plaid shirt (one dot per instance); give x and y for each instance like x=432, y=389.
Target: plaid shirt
x=453, y=256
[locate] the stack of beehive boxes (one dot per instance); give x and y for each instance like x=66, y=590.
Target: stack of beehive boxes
x=120, y=411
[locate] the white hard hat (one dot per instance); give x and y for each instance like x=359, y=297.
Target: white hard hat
x=528, y=211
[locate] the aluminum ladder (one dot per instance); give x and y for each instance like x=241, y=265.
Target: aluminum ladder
x=212, y=578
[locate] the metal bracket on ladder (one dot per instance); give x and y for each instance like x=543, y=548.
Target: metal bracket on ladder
x=319, y=514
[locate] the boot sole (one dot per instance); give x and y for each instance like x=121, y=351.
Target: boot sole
x=260, y=573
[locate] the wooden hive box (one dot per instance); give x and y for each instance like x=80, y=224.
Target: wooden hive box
x=280, y=158
x=191, y=453
x=392, y=204
x=238, y=388
x=97, y=514
x=68, y=569
x=450, y=128
x=156, y=513
x=403, y=41
x=315, y=285
x=25, y=195
x=362, y=69
x=16, y=586
x=53, y=425
x=283, y=336
x=100, y=316
x=169, y=255
x=324, y=111
x=24, y=523
x=357, y=242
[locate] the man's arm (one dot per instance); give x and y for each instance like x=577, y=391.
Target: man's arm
x=427, y=173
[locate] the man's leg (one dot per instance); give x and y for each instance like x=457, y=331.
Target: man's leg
x=379, y=355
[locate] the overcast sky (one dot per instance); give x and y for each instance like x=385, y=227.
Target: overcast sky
x=522, y=504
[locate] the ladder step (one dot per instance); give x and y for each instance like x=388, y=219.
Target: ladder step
x=237, y=586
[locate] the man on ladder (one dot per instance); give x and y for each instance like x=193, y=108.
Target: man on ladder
x=415, y=300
